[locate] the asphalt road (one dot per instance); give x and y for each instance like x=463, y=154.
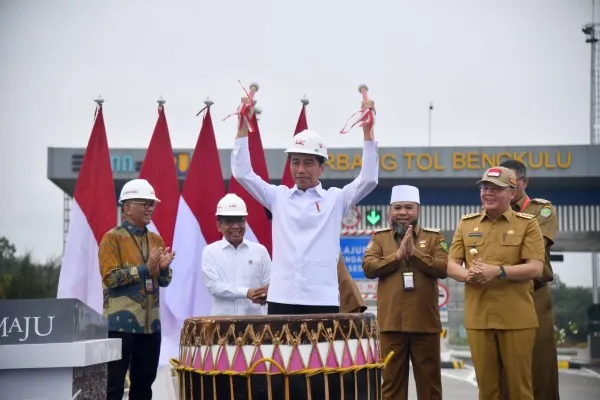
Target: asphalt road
x=575, y=384
x=460, y=384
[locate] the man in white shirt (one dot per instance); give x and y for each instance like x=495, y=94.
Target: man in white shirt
x=306, y=220
x=236, y=271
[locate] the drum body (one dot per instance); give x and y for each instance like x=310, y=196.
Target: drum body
x=287, y=357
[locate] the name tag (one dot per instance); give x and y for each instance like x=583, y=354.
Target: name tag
x=408, y=279
x=149, y=285
x=475, y=234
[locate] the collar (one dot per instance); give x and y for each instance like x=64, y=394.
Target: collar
x=318, y=189
x=133, y=230
x=225, y=243
x=508, y=215
x=522, y=203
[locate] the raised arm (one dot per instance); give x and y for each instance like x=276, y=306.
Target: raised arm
x=368, y=178
x=241, y=169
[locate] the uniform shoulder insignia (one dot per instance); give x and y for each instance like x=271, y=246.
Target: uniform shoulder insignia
x=541, y=201
x=382, y=230
x=471, y=215
x=431, y=229
x=524, y=215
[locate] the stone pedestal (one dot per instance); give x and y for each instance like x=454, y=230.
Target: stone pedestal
x=54, y=349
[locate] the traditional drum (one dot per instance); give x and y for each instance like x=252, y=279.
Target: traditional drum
x=324, y=356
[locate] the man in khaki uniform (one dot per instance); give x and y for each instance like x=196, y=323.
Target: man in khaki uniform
x=408, y=260
x=351, y=300
x=545, y=365
x=503, y=251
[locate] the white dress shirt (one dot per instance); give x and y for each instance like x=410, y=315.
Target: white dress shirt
x=229, y=273
x=306, y=228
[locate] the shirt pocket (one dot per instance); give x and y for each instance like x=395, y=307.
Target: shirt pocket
x=252, y=272
x=510, y=252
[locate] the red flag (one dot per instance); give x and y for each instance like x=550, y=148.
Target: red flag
x=301, y=125
x=93, y=213
x=159, y=169
x=204, y=186
x=187, y=295
x=258, y=217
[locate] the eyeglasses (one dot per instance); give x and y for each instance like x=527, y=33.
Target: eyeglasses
x=232, y=221
x=490, y=188
x=148, y=204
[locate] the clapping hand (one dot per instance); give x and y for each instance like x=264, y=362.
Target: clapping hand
x=407, y=246
x=166, y=258
x=154, y=260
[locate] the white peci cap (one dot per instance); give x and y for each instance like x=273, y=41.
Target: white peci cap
x=405, y=193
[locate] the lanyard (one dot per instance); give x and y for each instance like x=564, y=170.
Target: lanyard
x=140, y=248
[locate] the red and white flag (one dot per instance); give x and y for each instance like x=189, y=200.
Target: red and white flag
x=259, y=223
x=301, y=125
x=187, y=295
x=159, y=170
x=93, y=213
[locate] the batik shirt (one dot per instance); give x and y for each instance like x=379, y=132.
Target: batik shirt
x=131, y=293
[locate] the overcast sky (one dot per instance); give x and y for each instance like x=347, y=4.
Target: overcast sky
x=511, y=72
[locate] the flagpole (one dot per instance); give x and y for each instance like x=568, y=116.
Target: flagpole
x=430, y=113
x=99, y=101
x=304, y=101
x=161, y=101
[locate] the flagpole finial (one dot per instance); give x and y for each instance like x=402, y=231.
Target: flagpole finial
x=304, y=100
x=208, y=102
x=361, y=87
x=161, y=101
x=254, y=86
x=99, y=100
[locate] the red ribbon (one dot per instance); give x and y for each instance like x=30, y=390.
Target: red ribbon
x=367, y=115
x=243, y=110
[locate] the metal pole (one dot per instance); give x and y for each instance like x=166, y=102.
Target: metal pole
x=595, y=265
x=594, y=137
x=430, y=113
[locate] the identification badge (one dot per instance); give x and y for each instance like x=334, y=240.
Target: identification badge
x=408, y=279
x=149, y=285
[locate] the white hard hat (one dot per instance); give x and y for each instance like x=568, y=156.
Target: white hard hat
x=137, y=189
x=308, y=142
x=231, y=205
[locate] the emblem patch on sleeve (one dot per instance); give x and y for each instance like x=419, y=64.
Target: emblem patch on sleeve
x=444, y=246
x=546, y=212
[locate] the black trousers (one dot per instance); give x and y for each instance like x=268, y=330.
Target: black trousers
x=291, y=309
x=140, y=354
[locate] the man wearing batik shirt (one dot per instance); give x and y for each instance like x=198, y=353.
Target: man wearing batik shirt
x=134, y=264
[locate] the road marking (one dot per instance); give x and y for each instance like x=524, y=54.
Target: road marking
x=471, y=379
x=591, y=372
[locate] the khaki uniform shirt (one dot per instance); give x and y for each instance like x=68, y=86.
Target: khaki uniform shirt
x=546, y=217
x=509, y=240
x=351, y=300
x=400, y=310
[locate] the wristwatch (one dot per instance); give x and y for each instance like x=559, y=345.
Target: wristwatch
x=502, y=273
